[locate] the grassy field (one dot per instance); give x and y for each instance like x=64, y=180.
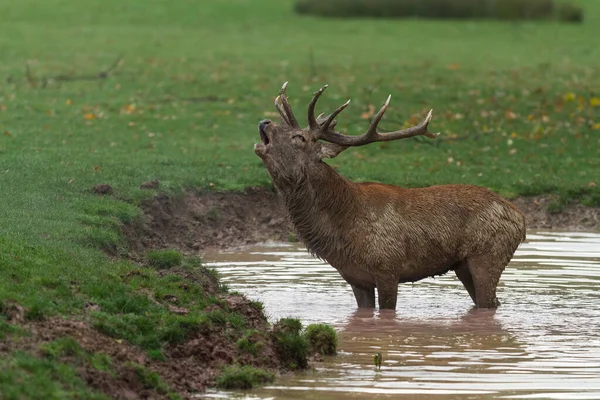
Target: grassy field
x=518, y=106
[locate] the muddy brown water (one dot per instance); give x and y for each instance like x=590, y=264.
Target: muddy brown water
x=542, y=343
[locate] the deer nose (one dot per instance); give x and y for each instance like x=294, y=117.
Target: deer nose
x=263, y=124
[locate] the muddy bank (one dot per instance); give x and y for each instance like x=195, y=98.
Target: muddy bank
x=213, y=220
x=123, y=371
x=193, y=222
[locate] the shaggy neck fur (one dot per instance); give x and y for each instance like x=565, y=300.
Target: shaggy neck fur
x=321, y=204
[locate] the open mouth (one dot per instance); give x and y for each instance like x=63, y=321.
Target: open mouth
x=263, y=137
x=262, y=148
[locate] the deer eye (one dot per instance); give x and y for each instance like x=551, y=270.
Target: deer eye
x=299, y=137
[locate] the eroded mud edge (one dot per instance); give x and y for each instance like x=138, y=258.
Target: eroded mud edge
x=195, y=222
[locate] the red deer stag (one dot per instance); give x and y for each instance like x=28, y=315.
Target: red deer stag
x=377, y=235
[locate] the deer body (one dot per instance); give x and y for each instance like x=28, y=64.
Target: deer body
x=377, y=236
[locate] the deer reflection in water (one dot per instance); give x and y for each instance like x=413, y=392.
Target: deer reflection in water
x=459, y=343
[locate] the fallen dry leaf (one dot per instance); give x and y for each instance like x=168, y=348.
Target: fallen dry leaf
x=369, y=113
x=128, y=109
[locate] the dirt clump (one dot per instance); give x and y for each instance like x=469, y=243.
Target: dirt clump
x=102, y=188
x=251, y=311
x=153, y=184
x=13, y=311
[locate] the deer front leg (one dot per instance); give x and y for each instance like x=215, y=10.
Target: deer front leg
x=387, y=291
x=365, y=297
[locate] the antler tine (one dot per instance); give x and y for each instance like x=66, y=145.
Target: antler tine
x=312, y=121
x=282, y=113
x=291, y=119
x=371, y=135
x=372, y=131
x=324, y=128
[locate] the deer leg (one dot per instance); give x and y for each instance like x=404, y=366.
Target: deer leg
x=462, y=273
x=365, y=297
x=387, y=292
x=486, y=272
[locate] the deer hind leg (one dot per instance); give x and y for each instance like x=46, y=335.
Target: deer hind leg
x=387, y=293
x=365, y=297
x=461, y=269
x=485, y=271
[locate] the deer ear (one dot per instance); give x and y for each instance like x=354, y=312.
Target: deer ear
x=329, y=150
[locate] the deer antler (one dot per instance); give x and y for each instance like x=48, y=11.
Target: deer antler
x=284, y=108
x=323, y=128
x=312, y=122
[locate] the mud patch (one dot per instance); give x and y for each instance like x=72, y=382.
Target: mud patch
x=196, y=222
x=209, y=351
x=212, y=220
x=574, y=217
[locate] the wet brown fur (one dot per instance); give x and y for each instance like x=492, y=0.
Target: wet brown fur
x=377, y=235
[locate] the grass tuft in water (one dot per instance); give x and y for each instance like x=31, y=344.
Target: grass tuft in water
x=246, y=377
x=321, y=338
x=291, y=346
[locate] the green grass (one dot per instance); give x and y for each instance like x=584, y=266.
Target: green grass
x=9, y=331
x=517, y=105
x=43, y=378
x=69, y=347
x=245, y=377
x=291, y=346
x=321, y=339
x=167, y=258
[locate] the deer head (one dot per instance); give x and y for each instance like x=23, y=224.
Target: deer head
x=288, y=150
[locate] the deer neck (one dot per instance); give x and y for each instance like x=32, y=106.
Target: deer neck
x=320, y=205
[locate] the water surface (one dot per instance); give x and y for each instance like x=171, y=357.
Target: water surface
x=542, y=343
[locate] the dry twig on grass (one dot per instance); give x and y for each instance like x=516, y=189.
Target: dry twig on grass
x=43, y=82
